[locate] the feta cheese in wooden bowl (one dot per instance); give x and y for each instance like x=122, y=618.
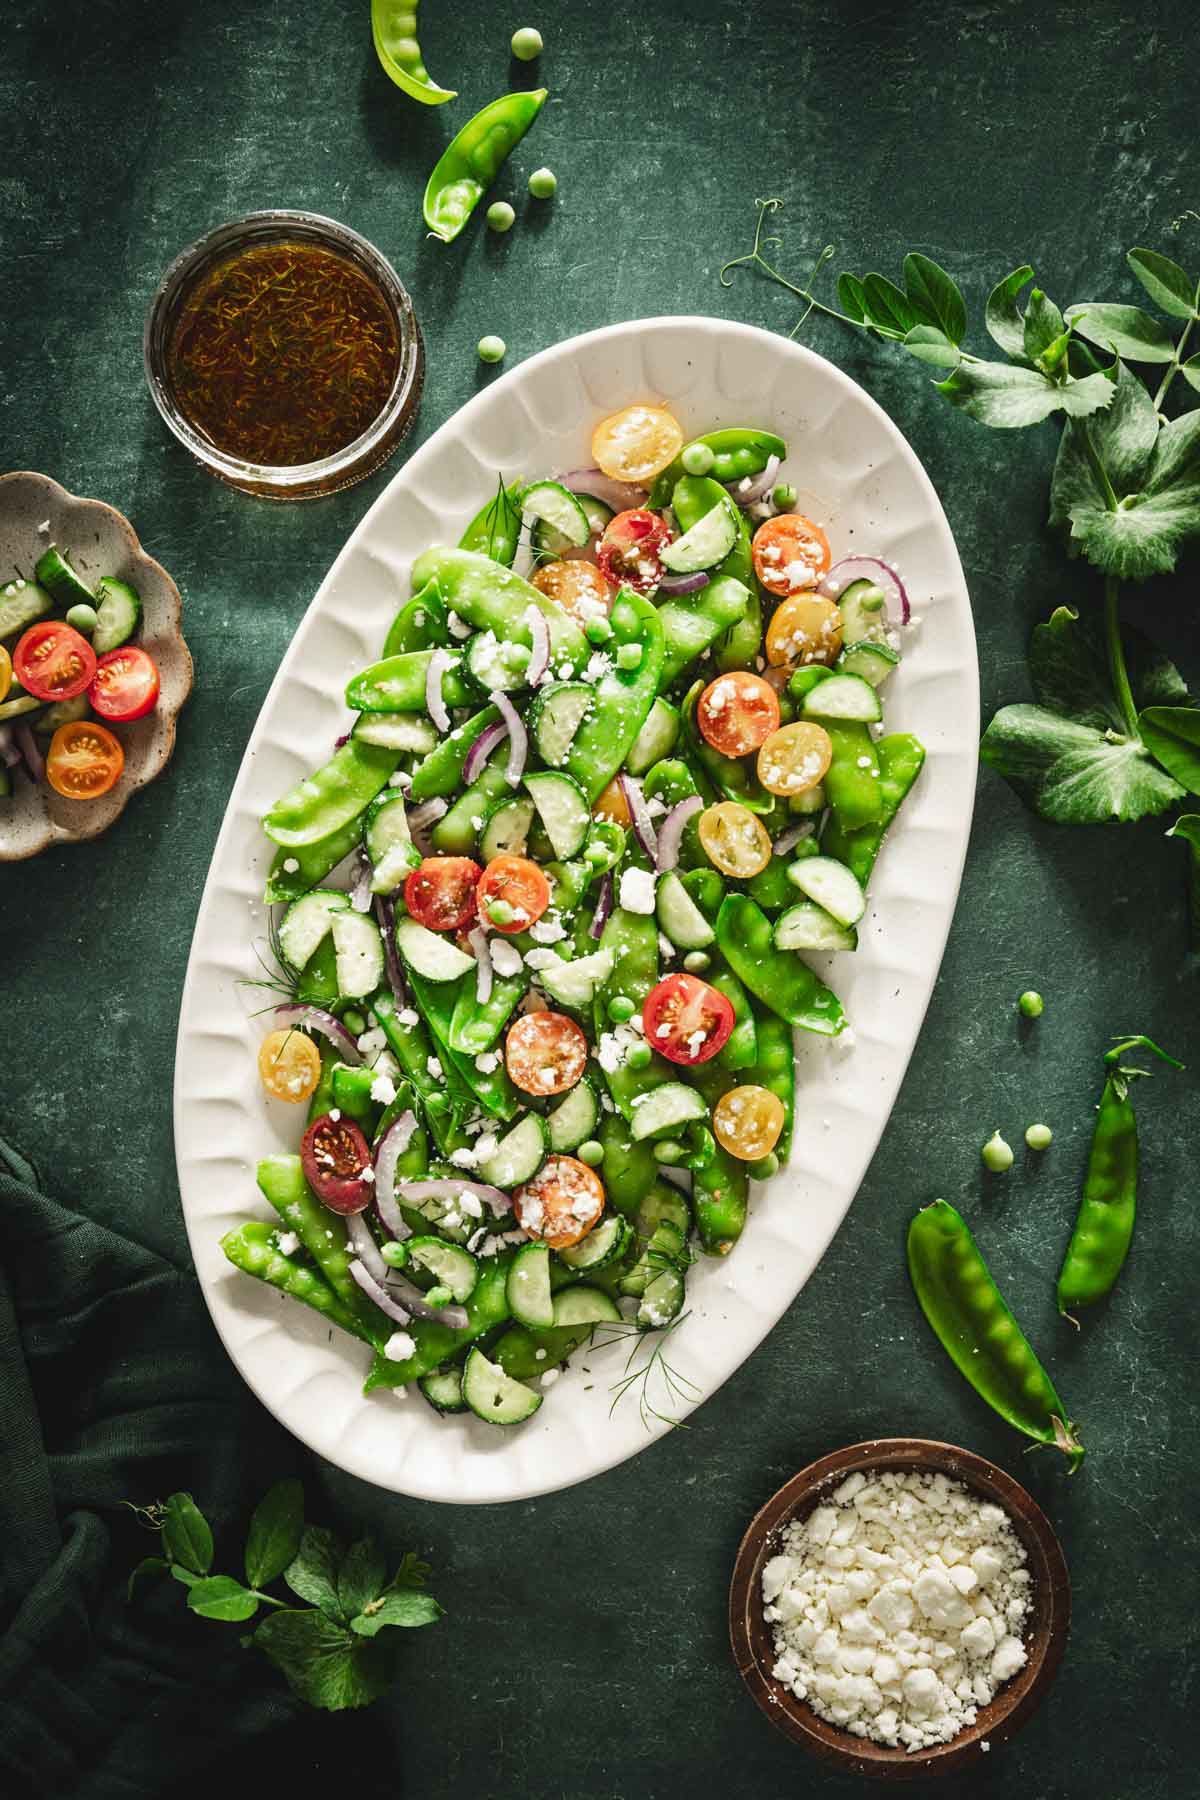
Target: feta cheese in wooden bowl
x=899, y=1607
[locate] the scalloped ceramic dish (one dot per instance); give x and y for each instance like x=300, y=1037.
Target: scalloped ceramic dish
x=101, y=541
x=856, y=472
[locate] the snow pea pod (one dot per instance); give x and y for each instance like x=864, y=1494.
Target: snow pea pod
x=853, y=783
x=770, y=888
x=419, y=625
x=900, y=759
x=487, y=1307
x=775, y=1069
x=740, y=1049
x=332, y=797
x=972, y=1320
x=693, y=497
x=443, y=1098
x=737, y=450
x=437, y=1000
x=476, y=1025
x=623, y=697
x=394, y=29
x=671, y=781
x=489, y=597
x=733, y=777
x=719, y=1194
x=690, y=625
x=397, y=684
x=473, y=158
x=1104, y=1228
x=496, y=528
x=629, y=1169
x=455, y=833
x=313, y=861
x=633, y=940
x=441, y=771
x=250, y=1248
x=776, y=977
x=524, y=1354
x=706, y=887
x=323, y=1234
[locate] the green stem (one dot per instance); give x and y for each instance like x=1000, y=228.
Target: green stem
x=1173, y=366
x=1116, y=656
x=1099, y=470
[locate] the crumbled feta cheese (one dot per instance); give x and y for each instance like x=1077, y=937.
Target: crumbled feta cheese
x=433, y=1068
x=383, y=1090
x=548, y=1377
x=288, y=1242
x=464, y=1157
x=637, y=891
x=456, y=626
x=598, y=666
x=291, y=865
x=487, y=1062
x=506, y=958
x=399, y=1347
x=43, y=528
x=408, y=1016
x=541, y=959
x=547, y=931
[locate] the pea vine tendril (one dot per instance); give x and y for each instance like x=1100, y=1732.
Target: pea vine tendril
x=766, y=209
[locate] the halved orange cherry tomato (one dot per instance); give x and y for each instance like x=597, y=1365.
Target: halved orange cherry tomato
x=521, y=885
x=545, y=1053
x=612, y=804
x=578, y=587
x=629, y=549
x=636, y=443
x=804, y=629
x=685, y=1020
x=53, y=661
x=562, y=1203
x=747, y=1122
x=795, y=758
x=737, y=712
x=790, y=553
x=440, y=893
x=334, y=1155
x=5, y=671
x=125, y=685
x=84, y=761
x=289, y=1065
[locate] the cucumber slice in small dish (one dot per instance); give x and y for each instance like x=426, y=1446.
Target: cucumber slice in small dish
x=708, y=542
x=494, y=1396
x=443, y=1390
x=528, y=1288
x=519, y=1154
x=307, y=922
x=872, y=660
x=550, y=503
x=506, y=828
x=606, y=1244
x=679, y=916
x=807, y=926
x=585, y=1306
x=574, y=984
x=431, y=955
x=665, y=1109
x=832, y=885
x=575, y=1118
x=844, y=697
x=563, y=809
x=557, y=714
x=359, y=950
x=450, y=1265
x=54, y=572
x=118, y=614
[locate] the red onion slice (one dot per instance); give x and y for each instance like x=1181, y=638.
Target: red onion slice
x=671, y=832
x=385, y=912
x=439, y=661
x=684, y=584
x=622, y=496
x=365, y=1247
x=377, y=1293
x=518, y=737
x=294, y=1012
x=389, y=1300
x=639, y=812
x=35, y=762
x=482, y=748
x=388, y=1151
x=417, y=1191
x=753, y=487
x=477, y=938
x=360, y=892
x=539, y=651
x=787, y=840
x=604, y=905
x=421, y=818
x=867, y=568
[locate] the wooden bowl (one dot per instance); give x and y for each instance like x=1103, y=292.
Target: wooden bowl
x=1045, y=1633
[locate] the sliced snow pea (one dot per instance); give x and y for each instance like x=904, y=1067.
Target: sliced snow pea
x=569, y=881
x=741, y=1047
x=852, y=781
x=437, y=1001
x=489, y=597
x=443, y=1097
x=321, y=1098
x=734, y=778
x=719, y=1192
x=419, y=625
x=693, y=622
x=774, y=1069
x=456, y=831
x=487, y=1307
x=397, y=684
x=629, y=1170
x=472, y=160
x=496, y=528
x=331, y=797
x=776, y=977
x=323, y=1234
x=441, y=771
x=706, y=886
x=251, y=1249
x=313, y=861
x=623, y=697
x=476, y=1025
x=693, y=496
x=770, y=888
x=394, y=29
x=633, y=940
x=900, y=759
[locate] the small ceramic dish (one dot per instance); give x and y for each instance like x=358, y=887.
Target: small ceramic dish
x=1045, y=1634
x=34, y=513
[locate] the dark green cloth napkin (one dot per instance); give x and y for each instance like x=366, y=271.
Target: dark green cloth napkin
x=113, y=1387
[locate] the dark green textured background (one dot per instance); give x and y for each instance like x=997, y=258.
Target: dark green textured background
x=586, y=1657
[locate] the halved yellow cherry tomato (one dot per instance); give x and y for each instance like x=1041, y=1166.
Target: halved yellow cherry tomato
x=803, y=630
x=747, y=1122
x=5, y=672
x=795, y=758
x=612, y=804
x=578, y=587
x=734, y=841
x=636, y=443
x=289, y=1065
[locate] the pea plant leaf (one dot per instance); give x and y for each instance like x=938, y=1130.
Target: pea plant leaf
x=1144, y=534
x=1003, y=318
x=398, y=1606
x=186, y=1535
x=851, y=298
x=1127, y=330
x=1166, y=283
x=323, y=1663
x=1172, y=734
x=1190, y=370
x=931, y=345
x=221, y=1597
x=1005, y=397
x=149, y=1565
x=936, y=296
x=361, y=1577
x=275, y=1532
x=413, y=1572
x=1187, y=827
x=313, y=1575
x=1043, y=325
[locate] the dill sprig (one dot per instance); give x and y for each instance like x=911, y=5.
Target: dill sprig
x=677, y=1389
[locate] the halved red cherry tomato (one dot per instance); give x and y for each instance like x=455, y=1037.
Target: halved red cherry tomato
x=685, y=1020
x=521, y=885
x=546, y=1053
x=125, y=685
x=53, y=661
x=562, y=1203
x=84, y=760
x=333, y=1155
x=440, y=893
x=738, y=712
x=629, y=549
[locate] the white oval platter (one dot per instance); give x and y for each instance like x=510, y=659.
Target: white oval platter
x=858, y=475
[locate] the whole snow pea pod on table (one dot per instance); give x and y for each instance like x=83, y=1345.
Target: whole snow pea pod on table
x=399, y=683
x=435, y=1344
x=779, y=978
x=251, y=1247
x=472, y=160
x=394, y=31
x=694, y=622
x=332, y=798
x=496, y=528
x=901, y=758
x=489, y=597
x=622, y=697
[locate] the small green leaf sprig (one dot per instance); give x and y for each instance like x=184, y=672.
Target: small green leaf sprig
x=336, y=1652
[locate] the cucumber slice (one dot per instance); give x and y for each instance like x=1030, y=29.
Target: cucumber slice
x=558, y=712
x=872, y=660
x=843, y=697
x=680, y=917
x=664, y=1205
x=118, y=612
x=434, y=957
x=506, y=828
x=708, y=542
x=585, y=1306
x=548, y=542
x=575, y=1118
x=563, y=809
x=665, y=1247
x=806, y=804
x=443, y=1390
x=495, y=1396
x=62, y=712
x=359, y=950
x=605, y=846
x=450, y=1265
x=574, y=984
x=519, y=1154
x=807, y=926
x=832, y=885
x=54, y=572
x=397, y=731
x=604, y=1245
x=306, y=922
x=550, y=503
x=864, y=611
x=662, y=1300
x=656, y=739
x=389, y=842
x=23, y=606
x=665, y=1109
x=528, y=1289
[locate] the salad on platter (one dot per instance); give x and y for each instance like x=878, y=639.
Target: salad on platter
x=542, y=916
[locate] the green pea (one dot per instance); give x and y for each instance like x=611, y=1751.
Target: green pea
x=597, y=631
x=491, y=349
x=543, y=184
x=637, y=1056
x=354, y=1022
x=439, y=1296
x=591, y=1152
x=697, y=459
x=500, y=216
x=501, y=913
x=668, y=1151
x=527, y=43
x=784, y=496
x=82, y=617
x=629, y=656
x=696, y=961
x=1032, y=1004
x=872, y=601
x=396, y=1254
x=1039, y=1137
x=997, y=1155
x=620, y=1008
